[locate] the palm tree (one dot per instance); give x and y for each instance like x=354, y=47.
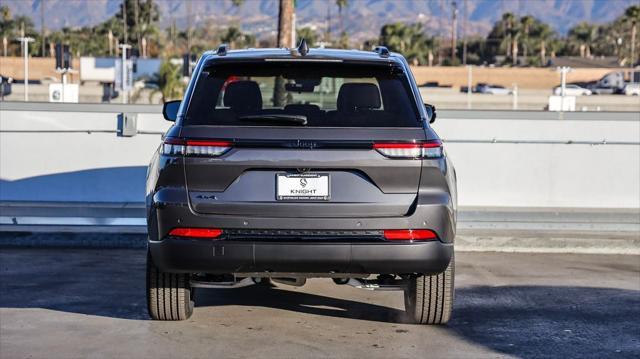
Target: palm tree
x=341, y=5
x=527, y=22
x=543, y=34
x=7, y=27
x=508, y=20
x=410, y=40
x=309, y=34
x=583, y=35
x=170, y=83
x=285, y=31
x=632, y=16
x=236, y=38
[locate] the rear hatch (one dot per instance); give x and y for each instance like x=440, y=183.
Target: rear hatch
x=295, y=139
x=327, y=173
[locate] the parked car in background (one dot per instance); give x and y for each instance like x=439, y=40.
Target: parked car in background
x=604, y=90
x=632, y=89
x=492, y=89
x=5, y=86
x=572, y=90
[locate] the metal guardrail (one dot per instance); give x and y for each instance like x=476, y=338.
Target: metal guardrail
x=445, y=114
x=79, y=131
x=79, y=107
x=548, y=142
x=491, y=141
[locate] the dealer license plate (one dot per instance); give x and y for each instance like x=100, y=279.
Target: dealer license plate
x=303, y=187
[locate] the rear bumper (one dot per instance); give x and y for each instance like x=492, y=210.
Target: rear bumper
x=191, y=256
x=169, y=209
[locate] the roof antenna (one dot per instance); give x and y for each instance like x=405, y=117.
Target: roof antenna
x=222, y=50
x=303, y=48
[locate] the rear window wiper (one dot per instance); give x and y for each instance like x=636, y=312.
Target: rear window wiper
x=296, y=119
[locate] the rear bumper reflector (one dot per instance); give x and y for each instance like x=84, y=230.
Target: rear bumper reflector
x=196, y=232
x=410, y=235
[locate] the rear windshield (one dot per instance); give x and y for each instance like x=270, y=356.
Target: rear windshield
x=320, y=94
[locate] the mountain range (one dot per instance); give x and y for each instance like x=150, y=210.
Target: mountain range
x=361, y=19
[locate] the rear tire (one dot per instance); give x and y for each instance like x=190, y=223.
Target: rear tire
x=429, y=299
x=169, y=295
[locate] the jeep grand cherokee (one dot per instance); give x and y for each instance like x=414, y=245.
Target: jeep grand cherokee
x=288, y=164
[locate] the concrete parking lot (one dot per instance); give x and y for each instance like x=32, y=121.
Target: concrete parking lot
x=89, y=303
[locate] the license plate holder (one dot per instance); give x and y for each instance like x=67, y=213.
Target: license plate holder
x=303, y=187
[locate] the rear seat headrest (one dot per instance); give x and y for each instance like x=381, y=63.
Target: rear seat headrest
x=243, y=96
x=358, y=96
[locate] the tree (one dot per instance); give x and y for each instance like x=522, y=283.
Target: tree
x=504, y=37
x=632, y=17
x=543, y=34
x=7, y=27
x=513, y=32
x=141, y=19
x=409, y=40
x=309, y=34
x=582, y=37
x=237, y=39
x=285, y=23
x=341, y=5
x=170, y=83
x=527, y=22
x=285, y=34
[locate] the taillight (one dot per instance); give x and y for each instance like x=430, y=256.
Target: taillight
x=410, y=234
x=173, y=147
x=429, y=149
x=206, y=148
x=196, y=232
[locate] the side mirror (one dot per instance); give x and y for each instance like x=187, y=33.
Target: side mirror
x=431, y=112
x=170, y=110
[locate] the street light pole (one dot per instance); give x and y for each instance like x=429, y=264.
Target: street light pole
x=454, y=33
x=24, y=41
x=125, y=91
x=469, y=84
x=564, y=70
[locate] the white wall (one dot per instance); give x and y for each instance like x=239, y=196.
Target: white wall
x=96, y=166
x=545, y=175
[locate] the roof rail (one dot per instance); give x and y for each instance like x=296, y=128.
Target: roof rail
x=222, y=50
x=382, y=51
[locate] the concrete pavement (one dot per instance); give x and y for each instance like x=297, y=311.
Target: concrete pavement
x=89, y=303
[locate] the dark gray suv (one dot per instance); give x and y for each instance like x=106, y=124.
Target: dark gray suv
x=289, y=164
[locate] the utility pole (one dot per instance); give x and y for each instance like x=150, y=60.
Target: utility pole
x=124, y=21
x=24, y=41
x=327, y=35
x=137, y=18
x=469, y=85
x=454, y=25
x=285, y=36
x=633, y=46
x=285, y=23
x=564, y=70
x=110, y=40
x=464, y=33
x=293, y=28
x=125, y=73
x=188, y=2
x=42, y=29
